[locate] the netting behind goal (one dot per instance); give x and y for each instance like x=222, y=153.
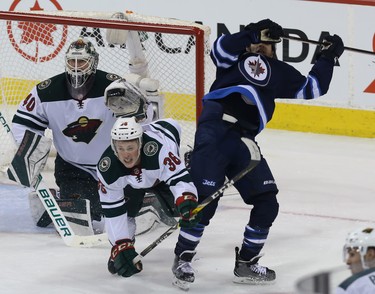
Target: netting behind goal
x=33, y=46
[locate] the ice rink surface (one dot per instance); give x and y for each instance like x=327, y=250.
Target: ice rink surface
x=326, y=188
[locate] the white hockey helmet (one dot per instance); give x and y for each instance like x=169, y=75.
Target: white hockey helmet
x=126, y=100
x=361, y=240
x=81, y=62
x=126, y=129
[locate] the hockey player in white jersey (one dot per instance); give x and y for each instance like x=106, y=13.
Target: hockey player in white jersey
x=142, y=157
x=359, y=255
x=72, y=105
x=126, y=100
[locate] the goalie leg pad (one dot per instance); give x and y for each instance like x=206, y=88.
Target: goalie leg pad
x=75, y=183
x=38, y=212
x=163, y=207
x=76, y=211
x=147, y=220
x=29, y=159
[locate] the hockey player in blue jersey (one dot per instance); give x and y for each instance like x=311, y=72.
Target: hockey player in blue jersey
x=241, y=101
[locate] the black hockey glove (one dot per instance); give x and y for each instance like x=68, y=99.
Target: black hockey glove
x=185, y=205
x=332, y=47
x=265, y=31
x=187, y=158
x=121, y=259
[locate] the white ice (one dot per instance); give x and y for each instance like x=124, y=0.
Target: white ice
x=326, y=188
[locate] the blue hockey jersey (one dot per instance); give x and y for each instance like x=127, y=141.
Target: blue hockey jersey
x=247, y=84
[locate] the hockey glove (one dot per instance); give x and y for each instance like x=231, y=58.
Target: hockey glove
x=187, y=158
x=265, y=31
x=185, y=205
x=332, y=47
x=121, y=259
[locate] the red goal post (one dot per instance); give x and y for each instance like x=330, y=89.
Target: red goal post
x=33, y=46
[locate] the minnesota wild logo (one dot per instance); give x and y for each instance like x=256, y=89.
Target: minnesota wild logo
x=83, y=129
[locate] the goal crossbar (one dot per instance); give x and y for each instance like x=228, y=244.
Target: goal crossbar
x=133, y=26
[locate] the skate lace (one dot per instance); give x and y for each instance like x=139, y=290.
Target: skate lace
x=261, y=270
x=185, y=267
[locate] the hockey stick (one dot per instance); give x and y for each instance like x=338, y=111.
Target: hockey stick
x=320, y=43
x=25, y=169
x=254, y=161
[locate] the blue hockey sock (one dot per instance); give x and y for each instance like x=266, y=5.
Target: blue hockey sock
x=253, y=242
x=188, y=239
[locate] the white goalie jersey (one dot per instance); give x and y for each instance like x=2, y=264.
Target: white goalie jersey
x=81, y=129
x=160, y=162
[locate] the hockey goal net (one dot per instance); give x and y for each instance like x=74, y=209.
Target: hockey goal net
x=33, y=46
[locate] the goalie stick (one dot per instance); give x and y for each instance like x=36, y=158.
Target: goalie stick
x=254, y=161
x=25, y=169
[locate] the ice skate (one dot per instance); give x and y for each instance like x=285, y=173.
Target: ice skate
x=250, y=272
x=183, y=271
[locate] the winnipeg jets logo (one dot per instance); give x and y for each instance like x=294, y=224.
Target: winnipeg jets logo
x=256, y=69
x=208, y=183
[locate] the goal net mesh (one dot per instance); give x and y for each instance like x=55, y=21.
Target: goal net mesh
x=33, y=46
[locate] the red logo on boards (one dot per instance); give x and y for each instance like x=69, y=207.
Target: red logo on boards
x=37, y=42
x=371, y=87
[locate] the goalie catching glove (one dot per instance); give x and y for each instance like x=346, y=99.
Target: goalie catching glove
x=186, y=204
x=121, y=259
x=264, y=31
x=126, y=100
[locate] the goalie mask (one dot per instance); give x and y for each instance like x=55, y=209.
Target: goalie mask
x=126, y=140
x=81, y=61
x=360, y=240
x=126, y=100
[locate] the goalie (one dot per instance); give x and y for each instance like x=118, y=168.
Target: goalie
x=72, y=105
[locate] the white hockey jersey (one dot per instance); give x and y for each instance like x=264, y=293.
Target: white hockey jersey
x=81, y=129
x=160, y=162
x=360, y=283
